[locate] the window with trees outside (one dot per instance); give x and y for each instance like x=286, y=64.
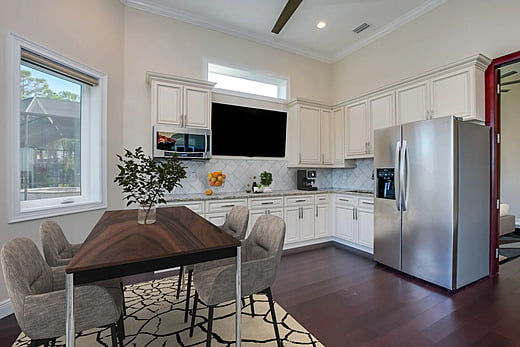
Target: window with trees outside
x=57, y=124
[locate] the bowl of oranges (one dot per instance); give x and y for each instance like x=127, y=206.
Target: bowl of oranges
x=216, y=179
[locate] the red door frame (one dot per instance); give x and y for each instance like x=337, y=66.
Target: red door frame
x=493, y=120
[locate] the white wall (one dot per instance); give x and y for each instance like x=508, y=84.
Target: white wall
x=510, y=149
x=92, y=35
x=160, y=44
x=452, y=31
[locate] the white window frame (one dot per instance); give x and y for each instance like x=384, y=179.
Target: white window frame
x=93, y=141
x=244, y=72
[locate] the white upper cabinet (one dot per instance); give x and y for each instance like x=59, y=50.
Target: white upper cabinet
x=180, y=101
x=356, y=128
x=381, y=115
x=456, y=90
x=310, y=133
x=413, y=102
x=327, y=144
x=338, y=135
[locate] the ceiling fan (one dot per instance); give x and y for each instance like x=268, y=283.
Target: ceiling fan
x=286, y=14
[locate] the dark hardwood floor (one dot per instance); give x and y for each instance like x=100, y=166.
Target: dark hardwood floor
x=345, y=299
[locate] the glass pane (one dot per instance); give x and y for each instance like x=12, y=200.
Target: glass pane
x=50, y=129
x=243, y=85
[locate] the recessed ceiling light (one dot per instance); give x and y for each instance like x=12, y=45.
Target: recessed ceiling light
x=321, y=24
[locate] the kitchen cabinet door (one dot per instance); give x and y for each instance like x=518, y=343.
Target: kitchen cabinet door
x=255, y=214
x=292, y=221
x=412, y=103
x=166, y=103
x=338, y=132
x=306, y=223
x=310, y=139
x=325, y=136
x=356, y=128
x=451, y=95
x=365, y=219
x=321, y=221
x=345, y=222
x=197, y=108
x=217, y=218
x=381, y=110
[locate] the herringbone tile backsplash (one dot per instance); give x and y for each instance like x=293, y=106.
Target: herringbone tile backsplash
x=240, y=173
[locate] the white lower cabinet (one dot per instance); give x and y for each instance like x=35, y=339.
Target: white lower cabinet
x=354, y=221
x=195, y=206
x=322, y=216
x=299, y=218
x=217, y=210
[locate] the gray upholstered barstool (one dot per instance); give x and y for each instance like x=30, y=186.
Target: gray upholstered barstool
x=38, y=296
x=56, y=248
x=236, y=226
x=262, y=252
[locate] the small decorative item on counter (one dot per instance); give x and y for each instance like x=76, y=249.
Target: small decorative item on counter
x=144, y=181
x=216, y=179
x=266, y=178
x=208, y=192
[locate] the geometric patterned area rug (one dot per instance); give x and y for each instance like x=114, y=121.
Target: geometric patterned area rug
x=156, y=318
x=509, y=247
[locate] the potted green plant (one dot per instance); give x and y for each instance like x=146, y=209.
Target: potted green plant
x=266, y=178
x=145, y=180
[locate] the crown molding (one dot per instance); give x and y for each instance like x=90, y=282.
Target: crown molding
x=387, y=29
x=150, y=7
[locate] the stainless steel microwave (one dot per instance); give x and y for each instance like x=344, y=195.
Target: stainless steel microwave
x=187, y=143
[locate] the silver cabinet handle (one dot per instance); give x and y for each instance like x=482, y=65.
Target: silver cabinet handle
x=322, y=158
x=267, y=203
x=227, y=205
x=340, y=199
x=316, y=211
x=367, y=203
x=303, y=200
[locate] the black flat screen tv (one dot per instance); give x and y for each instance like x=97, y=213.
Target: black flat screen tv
x=247, y=132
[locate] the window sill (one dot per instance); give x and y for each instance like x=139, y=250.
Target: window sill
x=53, y=211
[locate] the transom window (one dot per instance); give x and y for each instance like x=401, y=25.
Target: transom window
x=57, y=131
x=244, y=81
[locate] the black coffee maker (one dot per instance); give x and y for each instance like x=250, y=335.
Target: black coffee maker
x=306, y=180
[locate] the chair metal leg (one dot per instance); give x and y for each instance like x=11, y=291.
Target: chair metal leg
x=53, y=342
x=252, y=302
x=121, y=328
x=187, y=307
x=123, y=294
x=113, y=333
x=179, y=282
x=194, y=313
x=273, y=314
x=210, y=326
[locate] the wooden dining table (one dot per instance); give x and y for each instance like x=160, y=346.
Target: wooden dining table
x=118, y=246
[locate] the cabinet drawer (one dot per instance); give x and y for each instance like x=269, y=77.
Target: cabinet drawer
x=299, y=200
x=224, y=205
x=265, y=203
x=346, y=200
x=322, y=199
x=195, y=206
x=366, y=203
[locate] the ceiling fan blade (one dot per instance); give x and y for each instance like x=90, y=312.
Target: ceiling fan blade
x=287, y=12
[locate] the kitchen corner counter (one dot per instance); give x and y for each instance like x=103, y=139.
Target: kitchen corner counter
x=242, y=195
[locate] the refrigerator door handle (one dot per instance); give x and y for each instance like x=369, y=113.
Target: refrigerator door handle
x=403, y=175
x=397, y=176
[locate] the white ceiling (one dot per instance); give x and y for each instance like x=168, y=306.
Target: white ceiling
x=254, y=19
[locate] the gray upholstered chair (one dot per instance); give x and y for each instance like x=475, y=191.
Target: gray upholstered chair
x=236, y=226
x=262, y=251
x=38, y=296
x=56, y=248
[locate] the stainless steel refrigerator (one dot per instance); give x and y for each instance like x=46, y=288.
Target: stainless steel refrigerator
x=432, y=192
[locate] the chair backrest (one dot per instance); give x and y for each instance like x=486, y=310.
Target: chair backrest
x=236, y=222
x=25, y=272
x=266, y=240
x=54, y=243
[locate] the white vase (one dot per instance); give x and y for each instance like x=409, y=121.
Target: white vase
x=146, y=214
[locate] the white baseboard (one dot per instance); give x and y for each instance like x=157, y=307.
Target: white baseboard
x=5, y=308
